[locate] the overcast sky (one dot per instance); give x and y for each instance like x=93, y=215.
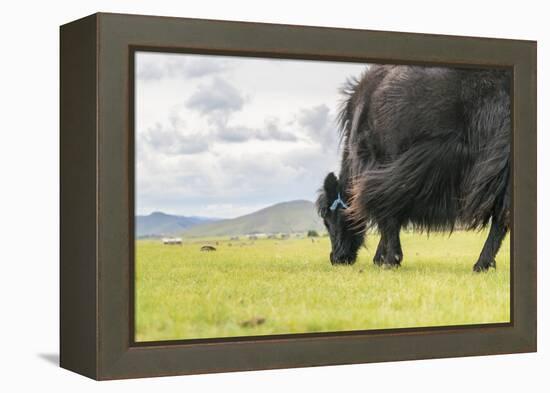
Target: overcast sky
x=223, y=136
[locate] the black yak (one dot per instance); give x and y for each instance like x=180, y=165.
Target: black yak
x=422, y=147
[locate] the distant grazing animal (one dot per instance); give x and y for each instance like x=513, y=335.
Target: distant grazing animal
x=208, y=248
x=172, y=241
x=423, y=147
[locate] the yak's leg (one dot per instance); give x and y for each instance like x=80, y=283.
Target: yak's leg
x=393, y=254
x=492, y=245
x=380, y=250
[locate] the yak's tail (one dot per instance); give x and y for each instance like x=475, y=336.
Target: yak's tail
x=421, y=186
x=487, y=188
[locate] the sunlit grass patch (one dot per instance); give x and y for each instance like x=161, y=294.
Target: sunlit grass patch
x=291, y=286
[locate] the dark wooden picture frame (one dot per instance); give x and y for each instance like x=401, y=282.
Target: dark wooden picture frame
x=97, y=205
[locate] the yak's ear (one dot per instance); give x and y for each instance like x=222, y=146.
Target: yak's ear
x=331, y=186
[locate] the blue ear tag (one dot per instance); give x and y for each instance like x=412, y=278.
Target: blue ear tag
x=338, y=201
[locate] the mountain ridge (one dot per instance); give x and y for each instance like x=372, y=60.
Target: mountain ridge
x=158, y=224
x=284, y=217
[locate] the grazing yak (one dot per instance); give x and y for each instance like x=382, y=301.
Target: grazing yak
x=422, y=147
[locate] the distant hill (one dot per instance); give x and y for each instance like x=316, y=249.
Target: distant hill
x=159, y=224
x=286, y=217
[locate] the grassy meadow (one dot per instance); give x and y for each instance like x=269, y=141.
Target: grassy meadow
x=274, y=286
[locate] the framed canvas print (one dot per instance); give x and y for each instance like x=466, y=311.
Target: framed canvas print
x=241, y=196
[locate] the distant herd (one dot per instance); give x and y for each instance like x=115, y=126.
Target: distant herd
x=250, y=238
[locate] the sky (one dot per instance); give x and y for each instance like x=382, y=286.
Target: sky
x=221, y=136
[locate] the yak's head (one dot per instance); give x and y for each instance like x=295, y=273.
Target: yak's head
x=331, y=205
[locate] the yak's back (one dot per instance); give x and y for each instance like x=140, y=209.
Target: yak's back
x=413, y=104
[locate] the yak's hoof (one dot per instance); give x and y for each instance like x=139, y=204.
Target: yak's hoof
x=390, y=263
x=484, y=265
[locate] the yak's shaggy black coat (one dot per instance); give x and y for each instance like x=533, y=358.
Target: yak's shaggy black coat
x=424, y=147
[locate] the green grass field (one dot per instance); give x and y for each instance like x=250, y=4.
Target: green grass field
x=289, y=286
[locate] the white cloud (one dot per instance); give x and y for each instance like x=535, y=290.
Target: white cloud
x=320, y=125
x=172, y=139
x=156, y=66
x=217, y=97
x=271, y=130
